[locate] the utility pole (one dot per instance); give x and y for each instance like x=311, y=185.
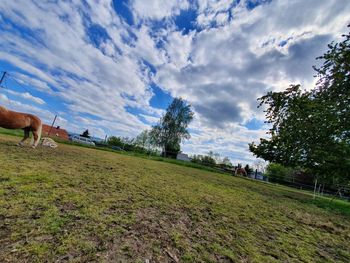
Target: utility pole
x=52, y=125
x=315, y=187
x=3, y=77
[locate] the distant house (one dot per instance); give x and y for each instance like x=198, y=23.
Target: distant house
x=55, y=131
x=183, y=157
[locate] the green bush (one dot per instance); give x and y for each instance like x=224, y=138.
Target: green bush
x=277, y=172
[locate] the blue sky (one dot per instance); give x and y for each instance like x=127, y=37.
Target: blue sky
x=114, y=66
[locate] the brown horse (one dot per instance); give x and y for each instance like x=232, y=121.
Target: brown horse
x=17, y=120
x=240, y=171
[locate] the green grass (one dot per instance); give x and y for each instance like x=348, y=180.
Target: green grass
x=19, y=133
x=79, y=204
x=11, y=132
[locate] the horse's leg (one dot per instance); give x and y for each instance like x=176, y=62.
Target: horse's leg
x=26, y=136
x=36, y=139
x=37, y=134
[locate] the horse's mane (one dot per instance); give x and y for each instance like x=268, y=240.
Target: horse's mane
x=3, y=108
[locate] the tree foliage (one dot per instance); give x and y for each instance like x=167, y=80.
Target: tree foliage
x=311, y=129
x=212, y=159
x=143, y=139
x=205, y=160
x=226, y=161
x=172, y=127
x=260, y=165
x=278, y=173
x=115, y=141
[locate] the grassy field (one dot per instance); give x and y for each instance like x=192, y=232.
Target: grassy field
x=19, y=133
x=75, y=204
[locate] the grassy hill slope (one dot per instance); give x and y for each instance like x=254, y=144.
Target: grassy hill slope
x=83, y=205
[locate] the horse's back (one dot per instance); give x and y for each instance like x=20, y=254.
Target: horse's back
x=17, y=120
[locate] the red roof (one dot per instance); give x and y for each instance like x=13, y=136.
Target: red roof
x=55, y=131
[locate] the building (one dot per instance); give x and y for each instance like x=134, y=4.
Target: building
x=183, y=157
x=55, y=132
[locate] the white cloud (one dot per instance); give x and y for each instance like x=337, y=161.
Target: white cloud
x=150, y=119
x=33, y=82
x=235, y=56
x=230, y=66
x=232, y=142
x=18, y=106
x=87, y=80
x=158, y=9
x=178, y=47
x=26, y=95
x=145, y=48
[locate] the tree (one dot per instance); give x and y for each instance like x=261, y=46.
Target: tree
x=85, y=134
x=115, y=141
x=208, y=160
x=172, y=127
x=226, y=161
x=143, y=139
x=144, y=142
x=277, y=172
x=215, y=156
x=259, y=165
x=311, y=129
x=127, y=140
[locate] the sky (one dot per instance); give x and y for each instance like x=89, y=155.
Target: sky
x=114, y=66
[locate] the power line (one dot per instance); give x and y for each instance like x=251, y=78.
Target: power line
x=2, y=77
x=19, y=84
x=4, y=81
x=25, y=89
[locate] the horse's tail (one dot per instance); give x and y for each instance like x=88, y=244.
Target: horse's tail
x=38, y=131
